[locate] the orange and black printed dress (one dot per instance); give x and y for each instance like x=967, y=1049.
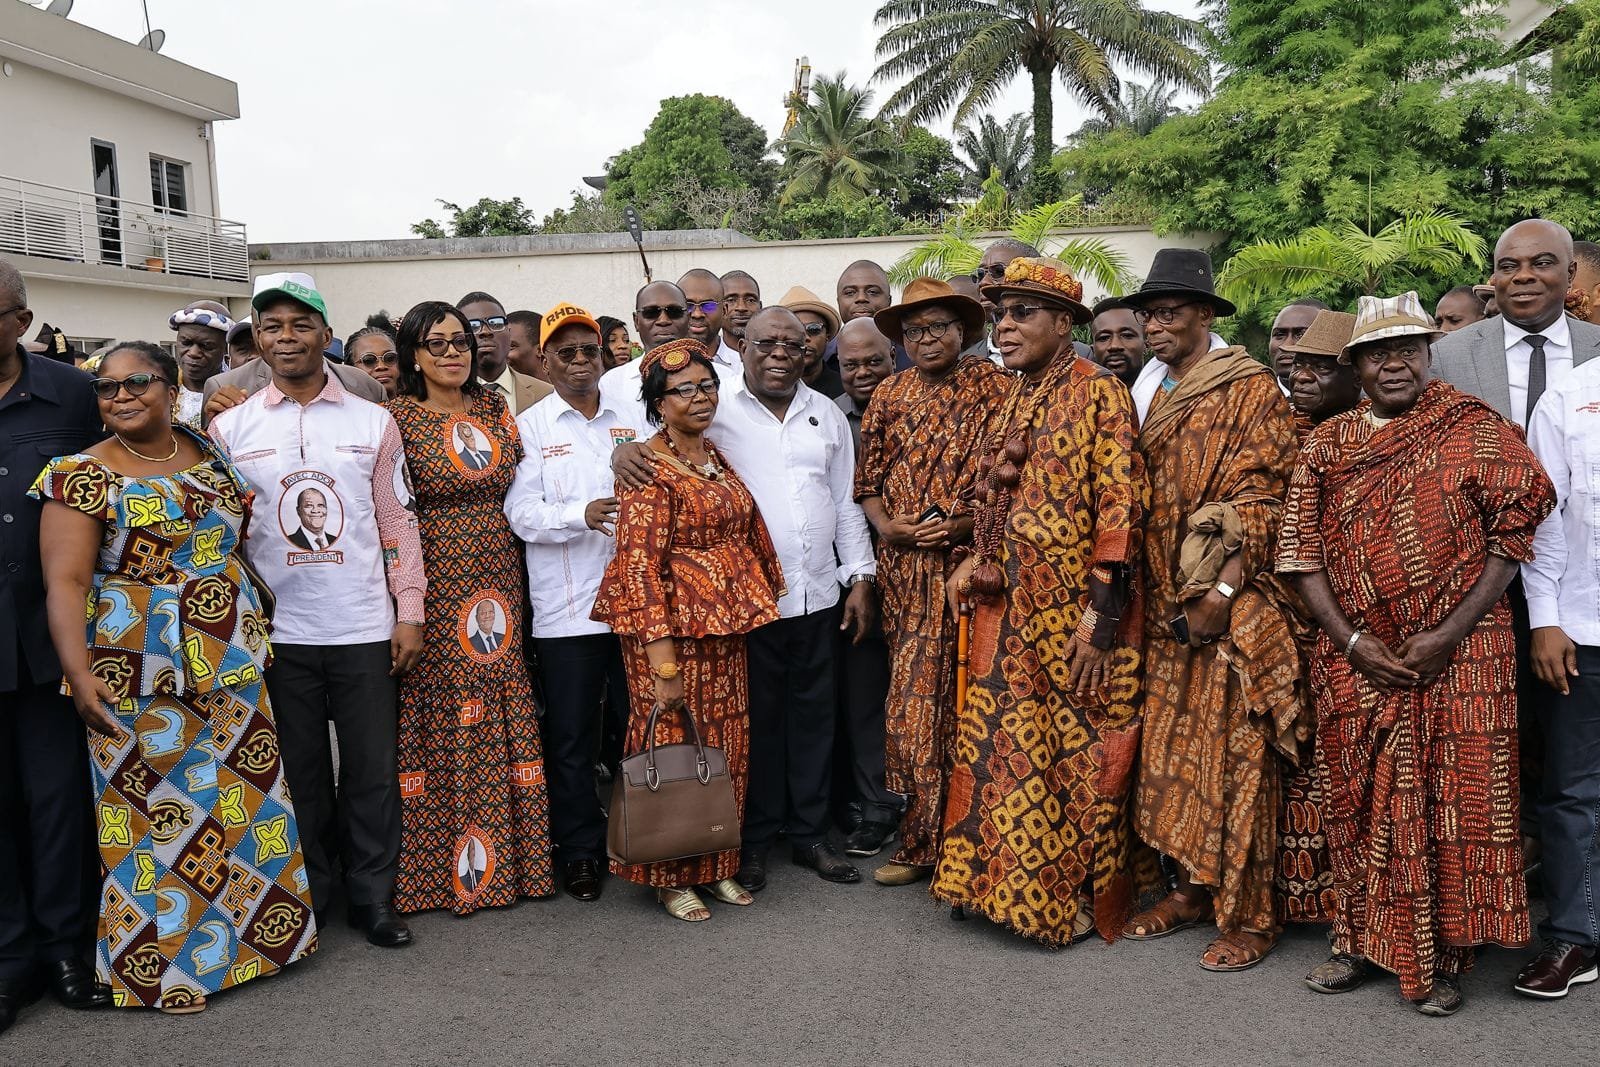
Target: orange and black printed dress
x=694, y=562
x=475, y=811
x=1420, y=786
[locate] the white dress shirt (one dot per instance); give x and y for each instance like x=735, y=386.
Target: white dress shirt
x=566, y=464
x=620, y=389
x=1563, y=581
x=727, y=356
x=1557, y=361
x=801, y=471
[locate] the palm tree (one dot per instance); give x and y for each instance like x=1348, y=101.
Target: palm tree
x=1346, y=256
x=836, y=149
x=963, y=54
x=1140, y=109
x=991, y=147
x=955, y=250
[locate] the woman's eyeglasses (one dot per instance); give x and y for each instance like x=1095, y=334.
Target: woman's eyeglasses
x=440, y=345
x=372, y=359
x=690, y=390
x=135, y=384
x=496, y=323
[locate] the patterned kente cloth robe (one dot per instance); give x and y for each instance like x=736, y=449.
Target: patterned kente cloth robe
x=204, y=884
x=1037, y=815
x=1420, y=787
x=474, y=804
x=920, y=444
x=1220, y=719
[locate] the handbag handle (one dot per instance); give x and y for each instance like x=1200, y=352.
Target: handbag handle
x=652, y=777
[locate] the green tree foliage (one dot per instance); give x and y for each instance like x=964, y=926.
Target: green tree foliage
x=817, y=220
x=1140, y=109
x=487, y=218
x=962, y=54
x=991, y=147
x=701, y=137
x=928, y=176
x=837, y=150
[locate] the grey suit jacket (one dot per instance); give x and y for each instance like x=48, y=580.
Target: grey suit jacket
x=254, y=376
x=1473, y=359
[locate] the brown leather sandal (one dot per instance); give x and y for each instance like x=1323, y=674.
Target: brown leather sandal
x=1165, y=919
x=1237, y=951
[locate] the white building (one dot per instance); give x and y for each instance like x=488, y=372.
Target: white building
x=108, y=179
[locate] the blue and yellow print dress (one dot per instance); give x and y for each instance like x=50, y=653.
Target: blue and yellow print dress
x=204, y=882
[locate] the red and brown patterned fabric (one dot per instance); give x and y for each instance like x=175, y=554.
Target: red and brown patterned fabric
x=694, y=563
x=1037, y=818
x=475, y=809
x=1222, y=719
x=1420, y=786
x=921, y=440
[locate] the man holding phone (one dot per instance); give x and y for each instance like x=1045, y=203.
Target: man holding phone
x=920, y=442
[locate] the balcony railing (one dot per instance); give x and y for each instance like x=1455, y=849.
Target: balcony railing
x=79, y=227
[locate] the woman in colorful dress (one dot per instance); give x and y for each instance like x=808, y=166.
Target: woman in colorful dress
x=694, y=572
x=205, y=885
x=475, y=811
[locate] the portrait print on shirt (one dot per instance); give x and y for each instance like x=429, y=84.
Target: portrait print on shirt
x=482, y=627
x=311, y=518
x=402, y=487
x=471, y=447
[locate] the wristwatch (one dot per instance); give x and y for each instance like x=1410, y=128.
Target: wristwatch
x=1226, y=590
x=665, y=671
x=869, y=579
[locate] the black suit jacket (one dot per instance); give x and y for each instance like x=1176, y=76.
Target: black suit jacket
x=482, y=645
x=300, y=540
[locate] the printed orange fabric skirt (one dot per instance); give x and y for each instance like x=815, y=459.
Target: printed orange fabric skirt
x=716, y=689
x=1305, y=872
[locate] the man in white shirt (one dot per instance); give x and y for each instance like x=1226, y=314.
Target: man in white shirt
x=741, y=298
x=660, y=314
x=348, y=620
x=488, y=322
x=703, y=297
x=201, y=348
x=563, y=504
x=1563, y=592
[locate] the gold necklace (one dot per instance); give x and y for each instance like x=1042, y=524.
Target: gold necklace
x=150, y=459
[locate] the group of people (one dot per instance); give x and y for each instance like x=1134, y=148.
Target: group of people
x=1124, y=635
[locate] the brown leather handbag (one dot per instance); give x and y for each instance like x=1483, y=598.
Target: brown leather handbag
x=672, y=802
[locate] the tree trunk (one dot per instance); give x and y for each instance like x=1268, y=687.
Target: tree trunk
x=1043, y=185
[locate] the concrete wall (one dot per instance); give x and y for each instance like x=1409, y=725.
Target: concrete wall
x=359, y=278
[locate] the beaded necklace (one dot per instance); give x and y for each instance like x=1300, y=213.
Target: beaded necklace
x=711, y=469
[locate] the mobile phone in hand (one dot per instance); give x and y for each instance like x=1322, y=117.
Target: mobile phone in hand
x=934, y=512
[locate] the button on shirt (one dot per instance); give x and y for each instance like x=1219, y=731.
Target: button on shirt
x=566, y=465
x=801, y=471
x=1563, y=581
x=1557, y=361
x=49, y=411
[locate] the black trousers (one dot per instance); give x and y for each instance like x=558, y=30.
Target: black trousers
x=1533, y=706
x=349, y=685
x=48, y=865
x=863, y=682
x=792, y=707
x=1569, y=811
x=577, y=673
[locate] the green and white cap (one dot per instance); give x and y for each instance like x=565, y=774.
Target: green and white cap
x=292, y=284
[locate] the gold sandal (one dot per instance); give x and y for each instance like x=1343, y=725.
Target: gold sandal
x=684, y=904
x=730, y=892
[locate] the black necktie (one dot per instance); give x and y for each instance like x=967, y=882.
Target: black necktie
x=1535, y=373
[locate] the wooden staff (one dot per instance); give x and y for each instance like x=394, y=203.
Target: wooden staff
x=963, y=639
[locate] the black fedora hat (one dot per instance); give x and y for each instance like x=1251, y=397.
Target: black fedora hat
x=1181, y=272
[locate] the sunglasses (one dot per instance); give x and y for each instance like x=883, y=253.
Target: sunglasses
x=993, y=270
x=815, y=329
x=571, y=352
x=440, y=345
x=388, y=359
x=1165, y=316
x=933, y=330
x=767, y=348
x=705, y=307
x=1018, y=312
x=496, y=323
x=690, y=390
x=135, y=384
x=651, y=312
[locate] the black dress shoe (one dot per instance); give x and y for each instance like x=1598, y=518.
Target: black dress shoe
x=828, y=864
x=15, y=995
x=1558, y=967
x=868, y=839
x=752, y=869
x=74, y=986
x=381, y=925
x=582, y=881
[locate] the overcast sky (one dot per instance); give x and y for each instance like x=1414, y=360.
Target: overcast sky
x=358, y=114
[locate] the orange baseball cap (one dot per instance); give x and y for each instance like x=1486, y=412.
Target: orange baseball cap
x=564, y=314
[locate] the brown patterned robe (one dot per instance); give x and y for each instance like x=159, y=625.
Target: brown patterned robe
x=1220, y=719
x=920, y=444
x=1038, y=813
x=1420, y=786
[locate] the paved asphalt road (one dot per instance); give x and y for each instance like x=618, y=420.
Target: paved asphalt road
x=813, y=973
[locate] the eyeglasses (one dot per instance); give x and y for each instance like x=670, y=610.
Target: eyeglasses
x=932, y=331
x=651, y=312
x=1018, y=312
x=14, y=310
x=815, y=328
x=135, y=384
x=496, y=323
x=705, y=307
x=690, y=390
x=993, y=270
x=767, y=348
x=571, y=352
x=371, y=359
x=1165, y=316
x=440, y=345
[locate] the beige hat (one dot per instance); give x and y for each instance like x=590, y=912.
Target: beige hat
x=1327, y=335
x=1379, y=318
x=928, y=292
x=802, y=299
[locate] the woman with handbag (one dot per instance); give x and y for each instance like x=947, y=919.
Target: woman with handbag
x=694, y=572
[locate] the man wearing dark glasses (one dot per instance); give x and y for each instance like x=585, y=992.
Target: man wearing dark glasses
x=704, y=299
x=488, y=321
x=46, y=903
x=660, y=314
